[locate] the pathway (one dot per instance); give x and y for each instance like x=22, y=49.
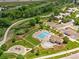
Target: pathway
x=58, y=54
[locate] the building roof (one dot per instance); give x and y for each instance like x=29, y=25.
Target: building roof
x=47, y=45
x=70, y=32
x=72, y=9
x=56, y=39
x=59, y=26
x=65, y=14
x=59, y=16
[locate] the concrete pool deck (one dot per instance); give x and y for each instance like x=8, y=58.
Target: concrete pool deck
x=42, y=35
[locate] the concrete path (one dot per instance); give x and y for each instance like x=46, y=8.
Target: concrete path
x=58, y=54
x=72, y=56
x=7, y=31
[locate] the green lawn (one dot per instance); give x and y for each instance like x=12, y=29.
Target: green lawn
x=24, y=43
x=8, y=55
x=43, y=52
x=28, y=41
x=31, y=39
x=71, y=45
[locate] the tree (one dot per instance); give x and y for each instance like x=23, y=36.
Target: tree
x=1, y=51
x=66, y=39
x=23, y=8
x=4, y=47
x=5, y=22
x=20, y=57
x=51, y=18
x=20, y=31
x=77, y=21
x=1, y=32
x=66, y=19
x=41, y=26
x=37, y=52
x=32, y=22
x=13, y=40
x=37, y=20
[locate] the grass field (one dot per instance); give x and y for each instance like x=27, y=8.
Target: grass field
x=24, y=43
x=31, y=39
x=28, y=41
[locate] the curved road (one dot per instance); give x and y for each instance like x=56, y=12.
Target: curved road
x=17, y=23
x=6, y=33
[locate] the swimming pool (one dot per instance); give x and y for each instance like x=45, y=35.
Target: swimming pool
x=43, y=35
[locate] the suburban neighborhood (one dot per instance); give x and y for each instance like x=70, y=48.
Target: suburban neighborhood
x=39, y=30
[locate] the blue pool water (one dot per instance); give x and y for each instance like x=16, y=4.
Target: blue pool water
x=43, y=35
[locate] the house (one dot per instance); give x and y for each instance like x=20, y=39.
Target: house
x=53, y=41
x=70, y=33
x=66, y=28
x=74, y=9
x=65, y=14
x=51, y=24
x=59, y=16
x=47, y=39
x=60, y=26
x=1, y=8
x=47, y=45
x=56, y=39
x=70, y=10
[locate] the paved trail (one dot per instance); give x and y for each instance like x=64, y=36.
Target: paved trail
x=17, y=23
x=57, y=54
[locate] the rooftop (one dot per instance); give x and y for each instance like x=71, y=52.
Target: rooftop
x=60, y=26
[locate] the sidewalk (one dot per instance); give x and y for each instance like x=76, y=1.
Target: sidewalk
x=57, y=54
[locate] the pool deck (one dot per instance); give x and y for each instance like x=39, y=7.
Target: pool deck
x=42, y=35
